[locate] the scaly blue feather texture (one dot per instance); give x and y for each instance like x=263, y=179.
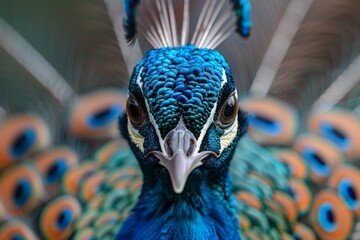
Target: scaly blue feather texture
x=183, y=81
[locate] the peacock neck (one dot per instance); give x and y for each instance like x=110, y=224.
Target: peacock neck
x=204, y=210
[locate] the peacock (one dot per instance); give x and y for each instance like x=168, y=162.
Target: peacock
x=162, y=119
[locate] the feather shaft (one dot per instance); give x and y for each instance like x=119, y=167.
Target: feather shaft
x=284, y=34
x=26, y=55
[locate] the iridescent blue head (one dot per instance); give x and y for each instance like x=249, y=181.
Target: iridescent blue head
x=182, y=116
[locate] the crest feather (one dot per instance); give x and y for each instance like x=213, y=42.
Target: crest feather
x=159, y=22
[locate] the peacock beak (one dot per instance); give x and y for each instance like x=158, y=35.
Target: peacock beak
x=180, y=157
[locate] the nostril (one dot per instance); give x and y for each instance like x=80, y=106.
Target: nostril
x=168, y=147
x=192, y=147
x=180, y=140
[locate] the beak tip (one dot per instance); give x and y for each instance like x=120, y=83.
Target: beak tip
x=179, y=167
x=178, y=188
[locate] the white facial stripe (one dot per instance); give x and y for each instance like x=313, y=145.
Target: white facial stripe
x=136, y=137
x=209, y=121
x=229, y=136
x=151, y=117
x=224, y=78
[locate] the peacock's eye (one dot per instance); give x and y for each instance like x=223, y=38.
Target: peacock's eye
x=228, y=112
x=134, y=112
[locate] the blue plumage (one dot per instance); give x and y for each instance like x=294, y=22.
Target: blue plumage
x=243, y=9
x=129, y=21
x=200, y=213
x=183, y=81
x=189, y=86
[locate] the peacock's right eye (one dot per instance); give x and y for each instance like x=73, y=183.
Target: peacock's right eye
x=228, y=112
x=135, y=113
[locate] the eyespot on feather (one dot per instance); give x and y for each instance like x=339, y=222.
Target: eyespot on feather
x=21, y=189
x=53, y=164
x=339, y=127
x=329, y=216
x=15, y=230
x=346, y=181
x=73, y=177
x=293, y=161
x=58, y=217
x=95, y=115
x=271, y=122
x=302, y=195
x=21, y=136
x=302, y=231
x=321, y=156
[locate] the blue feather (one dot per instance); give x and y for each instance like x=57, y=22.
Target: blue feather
x=197, y=216
x=129, y=21
x=243, y=9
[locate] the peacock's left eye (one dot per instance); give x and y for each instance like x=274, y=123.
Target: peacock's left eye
x=228, y=112
x=135, y=112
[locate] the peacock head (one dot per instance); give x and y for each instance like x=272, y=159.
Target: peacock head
x=182, y=117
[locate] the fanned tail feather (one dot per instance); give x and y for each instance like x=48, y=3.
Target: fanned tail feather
x=295, y=174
